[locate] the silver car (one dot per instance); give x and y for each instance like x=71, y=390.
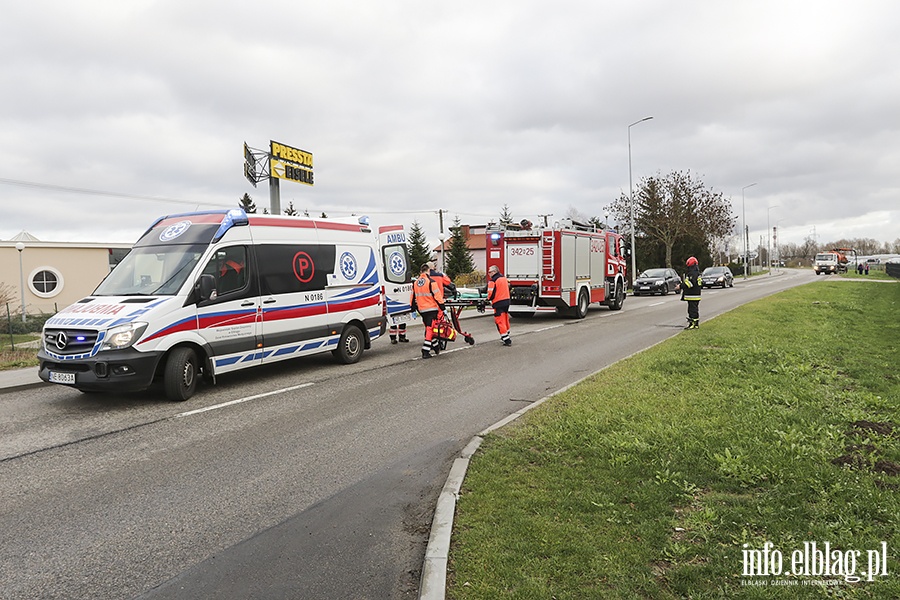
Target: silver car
x=713, y=276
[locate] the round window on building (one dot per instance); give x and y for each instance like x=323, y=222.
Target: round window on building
x=45, y=282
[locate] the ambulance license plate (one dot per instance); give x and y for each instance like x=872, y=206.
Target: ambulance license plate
x=67, y=378
x=401, y=318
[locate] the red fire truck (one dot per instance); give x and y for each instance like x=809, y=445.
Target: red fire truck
x=564, y=267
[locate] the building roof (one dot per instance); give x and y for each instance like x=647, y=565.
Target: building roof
x=474, y=241
x=24, y=236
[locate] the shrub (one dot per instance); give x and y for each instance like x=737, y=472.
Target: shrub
x=476, y=278
x=32, y=324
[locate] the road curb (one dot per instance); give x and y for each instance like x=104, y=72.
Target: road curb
x=20, y=387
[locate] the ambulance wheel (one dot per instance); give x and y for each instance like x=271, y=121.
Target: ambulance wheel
x=350, y=346
x=181, y=374
x=618, y=298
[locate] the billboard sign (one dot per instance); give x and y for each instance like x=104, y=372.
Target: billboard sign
x=291, y=163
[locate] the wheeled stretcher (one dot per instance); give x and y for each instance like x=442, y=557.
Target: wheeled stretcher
x=446, y=325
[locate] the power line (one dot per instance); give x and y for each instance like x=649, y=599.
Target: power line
x=77, y=190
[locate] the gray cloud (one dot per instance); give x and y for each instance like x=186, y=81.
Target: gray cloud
x=411, y=106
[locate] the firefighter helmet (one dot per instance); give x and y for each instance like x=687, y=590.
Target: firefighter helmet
x=691, y=261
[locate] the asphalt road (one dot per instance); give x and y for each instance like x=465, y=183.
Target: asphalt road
x=300, y=480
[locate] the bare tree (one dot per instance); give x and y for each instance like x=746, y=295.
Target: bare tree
x=7, y=293
x=676, y=209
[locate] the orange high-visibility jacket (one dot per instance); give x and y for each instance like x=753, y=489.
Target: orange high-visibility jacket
x=498, y=289
x=426, y=294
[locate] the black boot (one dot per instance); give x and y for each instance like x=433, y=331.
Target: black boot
x=393, y=339
x=426, y=354
x=403, y=339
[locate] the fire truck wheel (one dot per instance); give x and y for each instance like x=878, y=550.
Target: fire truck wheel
x=581, y=309
x=618, y=298
x=180, y=378
x=350, y=347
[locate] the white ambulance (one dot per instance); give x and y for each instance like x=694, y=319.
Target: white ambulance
x=206, y=293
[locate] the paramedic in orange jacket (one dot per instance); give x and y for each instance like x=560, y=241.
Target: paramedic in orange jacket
x=427, y=299
x=441, y=279
x=498, y=294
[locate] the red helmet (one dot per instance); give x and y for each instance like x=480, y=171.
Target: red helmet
x=691, y=261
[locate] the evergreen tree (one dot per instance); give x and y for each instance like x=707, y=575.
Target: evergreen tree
x=246, y=202
x=290, y=210
x=505, y=216
x=417, y=246
x=459, y=257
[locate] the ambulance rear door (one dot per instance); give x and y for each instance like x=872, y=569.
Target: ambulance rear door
x=397, y=273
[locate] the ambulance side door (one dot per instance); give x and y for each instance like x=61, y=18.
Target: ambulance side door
x=292, y=288
x=229, y=320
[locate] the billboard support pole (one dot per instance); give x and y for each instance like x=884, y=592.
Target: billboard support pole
x=274, y=196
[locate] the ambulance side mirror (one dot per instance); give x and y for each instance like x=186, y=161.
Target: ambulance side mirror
x=205, y=287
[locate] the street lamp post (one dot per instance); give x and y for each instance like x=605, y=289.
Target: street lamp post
x=631, y=199
x=442, y=238
x=768, y=237
x=745, y=235
x=775, y=243
x=20, y=247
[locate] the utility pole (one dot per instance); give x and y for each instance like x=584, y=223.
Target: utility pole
x=441, y=236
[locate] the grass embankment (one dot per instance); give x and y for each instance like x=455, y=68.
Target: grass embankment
x=21, y=357
x=777, y=422
x=873, y=274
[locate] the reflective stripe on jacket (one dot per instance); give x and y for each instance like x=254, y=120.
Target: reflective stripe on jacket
x=426, y=294
x=691, y=284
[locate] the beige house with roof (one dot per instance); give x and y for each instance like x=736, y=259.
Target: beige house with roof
x=55, y=274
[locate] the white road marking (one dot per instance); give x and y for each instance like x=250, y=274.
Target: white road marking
x=247, y=399
x=656, y=304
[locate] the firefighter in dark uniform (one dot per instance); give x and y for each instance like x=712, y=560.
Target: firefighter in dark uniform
x=498, y=294
x=690, y=291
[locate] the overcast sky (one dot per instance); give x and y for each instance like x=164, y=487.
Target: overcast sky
x=413, y=106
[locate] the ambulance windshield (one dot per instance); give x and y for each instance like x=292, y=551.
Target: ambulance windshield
x=152, y=271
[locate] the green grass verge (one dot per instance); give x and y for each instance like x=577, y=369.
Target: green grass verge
x=777, y=422
x=873, y=274
x=19, y=357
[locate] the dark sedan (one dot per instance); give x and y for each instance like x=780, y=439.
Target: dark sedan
x=657, y=281
x=713, y=276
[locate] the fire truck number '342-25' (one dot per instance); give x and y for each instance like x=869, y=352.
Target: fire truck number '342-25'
x=563, y=268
